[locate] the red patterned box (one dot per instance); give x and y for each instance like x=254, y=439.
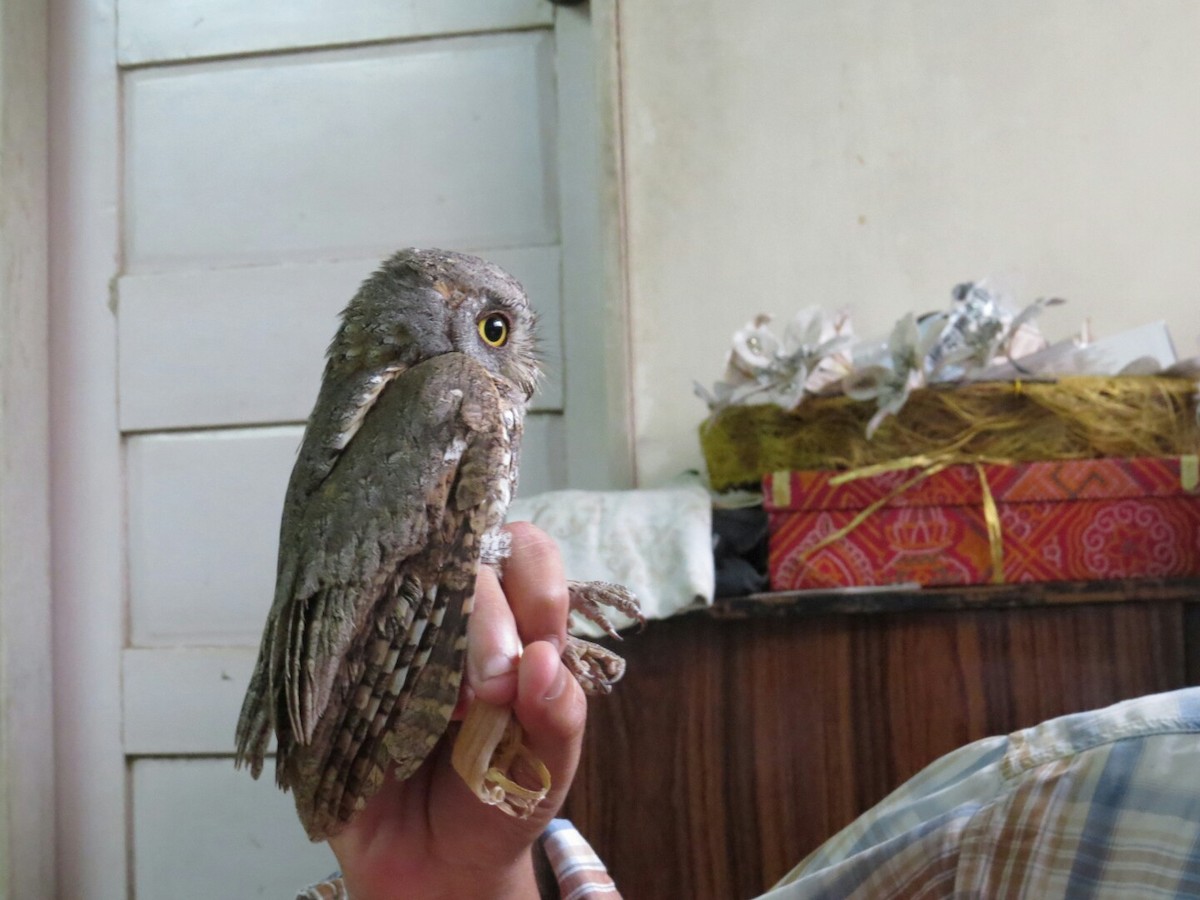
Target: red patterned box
x=1058, y=521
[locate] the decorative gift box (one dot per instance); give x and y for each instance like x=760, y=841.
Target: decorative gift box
x=939, y=524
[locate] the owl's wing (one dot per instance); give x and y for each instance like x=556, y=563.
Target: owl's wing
x=375, y=558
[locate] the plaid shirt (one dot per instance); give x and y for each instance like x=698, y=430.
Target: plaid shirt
x=1102, y=804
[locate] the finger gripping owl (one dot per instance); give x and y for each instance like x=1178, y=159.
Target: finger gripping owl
x=398, y=494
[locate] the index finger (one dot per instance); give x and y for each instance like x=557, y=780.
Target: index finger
x=536, y=585
x=493, y=645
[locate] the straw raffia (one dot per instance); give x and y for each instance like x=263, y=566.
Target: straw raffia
x=1071, y=418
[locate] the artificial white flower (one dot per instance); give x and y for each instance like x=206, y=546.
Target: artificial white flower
x=817, y=354
x=754, y=347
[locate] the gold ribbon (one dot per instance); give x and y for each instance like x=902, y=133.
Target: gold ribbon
x=1189, y=472
x=929, y=467
x=991, y=518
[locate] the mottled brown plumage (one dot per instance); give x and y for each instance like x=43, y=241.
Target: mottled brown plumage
x=404, y=475
x=407, y=466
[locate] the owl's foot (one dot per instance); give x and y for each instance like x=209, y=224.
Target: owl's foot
x=588, y=598
x=597, y=668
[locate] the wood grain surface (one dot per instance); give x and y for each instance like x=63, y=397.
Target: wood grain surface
x=734, y=747
x=1191, y=642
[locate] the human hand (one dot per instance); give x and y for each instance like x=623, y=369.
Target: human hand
x=430, y=836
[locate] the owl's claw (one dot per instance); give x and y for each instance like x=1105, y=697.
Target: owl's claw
x=597, y=668
x=588, y=598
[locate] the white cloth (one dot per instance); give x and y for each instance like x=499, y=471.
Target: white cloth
x=658, y=543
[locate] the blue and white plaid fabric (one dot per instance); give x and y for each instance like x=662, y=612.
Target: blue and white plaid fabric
x=1102, y=804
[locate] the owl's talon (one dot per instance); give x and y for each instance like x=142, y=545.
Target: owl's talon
x=588, y=599
x=596, y=668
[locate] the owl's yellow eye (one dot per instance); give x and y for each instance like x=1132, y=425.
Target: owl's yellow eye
x=493, y=329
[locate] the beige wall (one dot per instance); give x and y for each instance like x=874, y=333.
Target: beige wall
x=872, y=154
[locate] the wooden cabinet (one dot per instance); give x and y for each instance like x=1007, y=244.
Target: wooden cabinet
x=735, y=746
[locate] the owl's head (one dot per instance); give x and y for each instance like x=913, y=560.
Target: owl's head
x=423, y=303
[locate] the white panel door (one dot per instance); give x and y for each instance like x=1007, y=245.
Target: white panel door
x=258, y=193
x=266, y=158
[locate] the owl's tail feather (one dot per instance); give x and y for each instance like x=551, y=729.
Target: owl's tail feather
x=490, y=755
x=253, y=728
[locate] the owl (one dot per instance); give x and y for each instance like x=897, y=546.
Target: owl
x=398, y=494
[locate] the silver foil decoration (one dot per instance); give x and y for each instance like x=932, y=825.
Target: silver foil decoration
x=817, y=353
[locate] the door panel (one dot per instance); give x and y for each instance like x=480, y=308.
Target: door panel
x=152, y=31
x=341, y=153
x=203, y=830
x=183, y=701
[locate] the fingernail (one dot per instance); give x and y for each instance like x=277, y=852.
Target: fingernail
x=495, y=666
x=502, y=660
x=557, y=686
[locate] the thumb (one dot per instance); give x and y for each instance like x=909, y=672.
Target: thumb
x=552, y=710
